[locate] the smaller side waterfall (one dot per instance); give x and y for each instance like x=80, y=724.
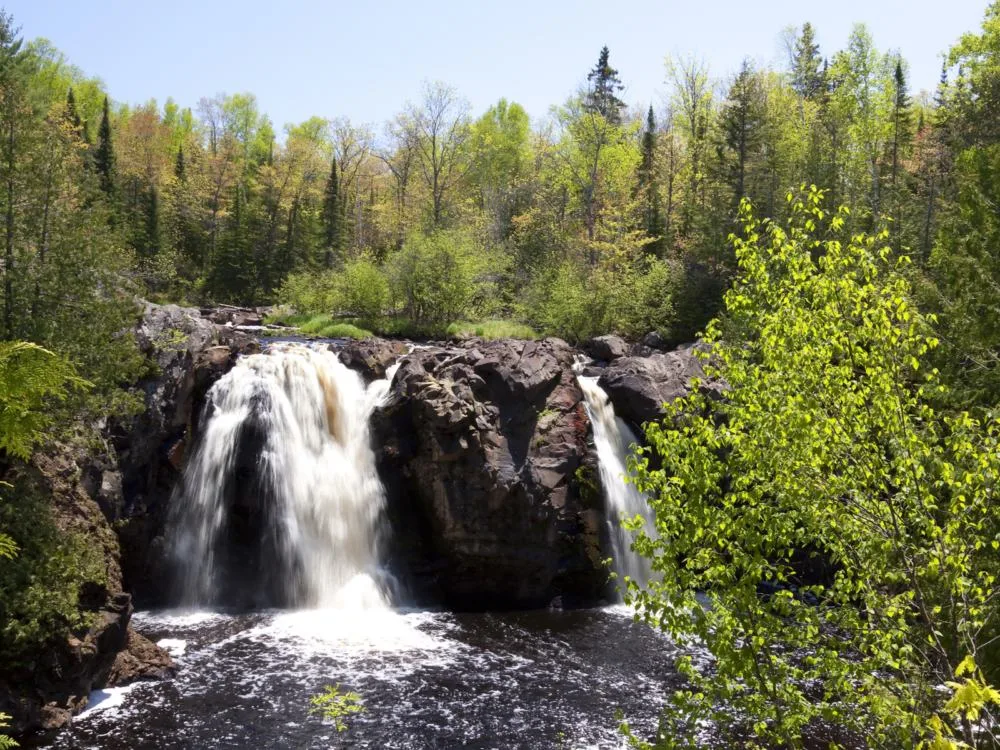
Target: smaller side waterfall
x=281, y=503
x=613, y=439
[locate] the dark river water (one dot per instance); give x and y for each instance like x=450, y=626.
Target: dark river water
x=427, y=680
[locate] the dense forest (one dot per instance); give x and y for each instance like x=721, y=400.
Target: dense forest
x=769, y=198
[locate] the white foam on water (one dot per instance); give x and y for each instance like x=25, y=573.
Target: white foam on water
x=173, y=646
x=105, y=700
x=340, y=630
x=177, y=618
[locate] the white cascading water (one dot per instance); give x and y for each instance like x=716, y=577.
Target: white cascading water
x=613, y=439
x=324, y=497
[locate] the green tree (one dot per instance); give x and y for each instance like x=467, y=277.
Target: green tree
x=500, y=157
x=807, y=72
x=827, y=536
x=647, y=188
x=901, y=142
x=332, y=219
x=602, y=92
x=104, y=156
x=742, y=120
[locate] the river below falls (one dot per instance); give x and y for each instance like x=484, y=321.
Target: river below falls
x=544, y=679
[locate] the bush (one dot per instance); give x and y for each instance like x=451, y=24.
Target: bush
x=362, y=290
x=827, y=536
x=40, y=586
x=436, y=278
x=577, y=302
x=309, y=292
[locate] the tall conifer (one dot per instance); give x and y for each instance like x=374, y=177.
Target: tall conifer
x=104, y=158
x=604, y=85
x=331, y=216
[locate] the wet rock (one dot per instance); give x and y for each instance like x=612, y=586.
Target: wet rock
x=639, y=386
x=234, y=316
x=140, y=659
x=479, y=449
x=371, y=357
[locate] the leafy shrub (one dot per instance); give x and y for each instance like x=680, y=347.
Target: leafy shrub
x=29, y=377
x=827, y=446
x=39, y=588
x=577, y=302
x=436, y=278
x=362, y=289
x=309, y=292
x=336, y=705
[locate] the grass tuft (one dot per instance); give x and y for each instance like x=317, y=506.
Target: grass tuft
x=492, y=329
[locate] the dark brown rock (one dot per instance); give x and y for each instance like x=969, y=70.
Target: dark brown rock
x=638, y=386
x=371, y=357
x=607, y=348
x=480, y=448
x=141, y=659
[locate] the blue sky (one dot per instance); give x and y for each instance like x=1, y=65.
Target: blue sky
x=365, y=59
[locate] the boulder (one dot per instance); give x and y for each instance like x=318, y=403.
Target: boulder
x=140, y=659
x=638, y=386
x=655, y=340
x=481, y=447
x=607, y=348
x=371, y=357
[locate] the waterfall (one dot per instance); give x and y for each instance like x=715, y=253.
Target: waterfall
x=613, y=438
x=281, y=503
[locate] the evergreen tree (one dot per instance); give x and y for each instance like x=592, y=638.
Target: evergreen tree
x=604, y=85
x=741, y=123
x=902, y=135
x=648, y=190
x=105, y=156
x=807, y=74
x=179, y=167
x=15, y=121
x=153, y=222
x=72, y=116
x=332, y=223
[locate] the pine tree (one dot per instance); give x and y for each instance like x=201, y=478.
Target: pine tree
x=648, y=189
x=72, y=116
x=807, y=75
x=741, y=122
x=105, y=156
x=901, y=137
x=153, y=222
x=331, y=217
x=179, y=167
x=604, y=85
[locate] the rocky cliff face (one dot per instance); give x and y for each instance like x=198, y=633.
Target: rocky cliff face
x=191, y=353
x=483, y=447
x=125, y=483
